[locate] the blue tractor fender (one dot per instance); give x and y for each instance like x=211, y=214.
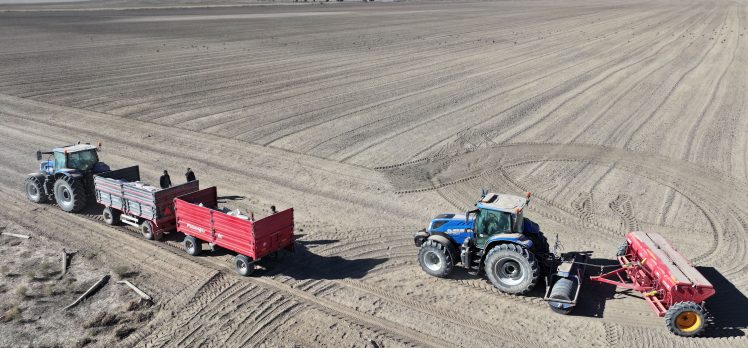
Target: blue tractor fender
x=513, y=238
x=68, y=172
x=445, y=240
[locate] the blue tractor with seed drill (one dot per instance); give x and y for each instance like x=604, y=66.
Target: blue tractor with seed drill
x=66, y=177
x=496, y=239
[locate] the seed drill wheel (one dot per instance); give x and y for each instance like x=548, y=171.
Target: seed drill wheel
x=512, y=269
x=686, y=319
x=34, y=190
x=435, y=259
x=69, y=194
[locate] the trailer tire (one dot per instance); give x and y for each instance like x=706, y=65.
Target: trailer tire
x=244, y=266
x=34, y=190
x=512, y=269
x=110, y=216
x=435, y=259
x=564, y=289
x=69, y=194
x=147, y=230
x=192, y=246
x=686, y=319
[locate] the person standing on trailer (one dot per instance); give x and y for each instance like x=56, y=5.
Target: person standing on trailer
x=165, y=180
x=190, y=175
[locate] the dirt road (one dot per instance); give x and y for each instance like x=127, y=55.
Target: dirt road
x=369, y=119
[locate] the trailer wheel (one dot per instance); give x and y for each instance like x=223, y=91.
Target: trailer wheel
x=192, y=246
x=69, y=194
x=686, y=319
x=34, y=190
x=111, y=216
x=244, y=266
x=512, y=269
x=564, y=289
x=146, y=229
x=435, y=259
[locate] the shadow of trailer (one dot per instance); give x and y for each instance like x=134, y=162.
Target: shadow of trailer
x=129, y=201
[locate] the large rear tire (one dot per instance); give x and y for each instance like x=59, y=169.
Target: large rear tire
x=512, y=269
x=435, y=259
x=34, y=190
x=686, y=319
x=69, y=194
x=244, y=266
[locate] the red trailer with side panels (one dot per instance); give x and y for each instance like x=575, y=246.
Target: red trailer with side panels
x=201, y=220
x=670, y=284
x=128, y=200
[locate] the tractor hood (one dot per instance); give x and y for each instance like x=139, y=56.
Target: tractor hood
x=446, y=223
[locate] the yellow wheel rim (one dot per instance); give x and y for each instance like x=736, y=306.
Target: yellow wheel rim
x=688, y=321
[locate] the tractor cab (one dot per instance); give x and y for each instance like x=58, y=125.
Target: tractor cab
x=497, y=214
x=80, y=157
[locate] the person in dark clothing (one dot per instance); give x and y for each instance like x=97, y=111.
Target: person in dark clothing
x=165, y=180
x=190, y=175
x=272, y=209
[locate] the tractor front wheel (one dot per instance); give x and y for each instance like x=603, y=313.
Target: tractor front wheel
x=69, y=194
x=512, y=269
x=34, y=190
x=686, y=319
x=435, y=259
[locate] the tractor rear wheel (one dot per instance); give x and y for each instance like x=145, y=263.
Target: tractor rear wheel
x=244, y=266
x=435, y=259
x=111, y=216
x=192, y=246
x=686, y=319
x=512, y=269
x=69, y=194
x=34, y=190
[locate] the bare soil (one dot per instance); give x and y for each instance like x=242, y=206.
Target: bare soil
x=369, y=119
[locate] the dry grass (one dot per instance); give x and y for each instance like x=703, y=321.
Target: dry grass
x=22, y=291
x=12, y=313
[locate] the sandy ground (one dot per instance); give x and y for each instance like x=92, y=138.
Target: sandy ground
x=369, y=119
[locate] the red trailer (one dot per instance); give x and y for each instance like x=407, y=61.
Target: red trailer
x=128, y=200
x=670, y=284
x=200, y=219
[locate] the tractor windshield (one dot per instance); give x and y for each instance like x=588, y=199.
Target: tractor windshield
x=83, y=160
x=490, y=222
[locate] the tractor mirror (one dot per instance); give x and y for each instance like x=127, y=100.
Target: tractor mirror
x=38, y=155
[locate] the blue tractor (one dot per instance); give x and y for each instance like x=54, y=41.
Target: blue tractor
x=66, y=176
x=494, y=238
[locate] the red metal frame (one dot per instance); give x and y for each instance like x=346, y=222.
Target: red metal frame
x=653, y=267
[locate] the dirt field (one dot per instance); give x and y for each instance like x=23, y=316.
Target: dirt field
x=369, y=119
